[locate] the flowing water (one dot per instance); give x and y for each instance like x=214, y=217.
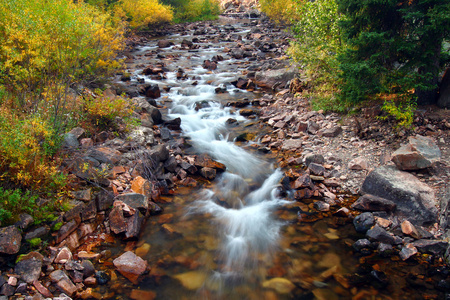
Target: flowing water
x=239, y=237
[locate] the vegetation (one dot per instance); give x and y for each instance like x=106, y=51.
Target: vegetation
x=143, y=14
x=15, y=202
x=354, y=52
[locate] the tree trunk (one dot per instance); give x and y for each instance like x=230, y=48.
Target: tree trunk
x=430, y=95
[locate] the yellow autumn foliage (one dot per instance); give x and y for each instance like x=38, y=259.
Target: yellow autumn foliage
x=54, y=42
x=281, y=10
x=142, y=14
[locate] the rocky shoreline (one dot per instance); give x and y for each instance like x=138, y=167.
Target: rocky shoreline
x=326, y=157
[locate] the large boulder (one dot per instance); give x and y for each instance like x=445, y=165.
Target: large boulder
x=276, y=78
x=10, y=240
x=29, y=267
x=419, y=153
x=415, y=200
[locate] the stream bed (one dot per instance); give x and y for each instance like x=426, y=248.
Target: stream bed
x=242, y=236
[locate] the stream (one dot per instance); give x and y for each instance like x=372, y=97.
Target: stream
x=240, y=236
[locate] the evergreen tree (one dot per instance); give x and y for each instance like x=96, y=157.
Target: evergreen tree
x=394, y=47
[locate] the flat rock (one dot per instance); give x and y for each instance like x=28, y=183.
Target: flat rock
x=415, y=200
x=130, y=266
x=63, y=282
x=407, y=252
x=358, y=164
x=191, y=280
x=435, y=247
x=370, y=202
x=291, y=145
x=331, y=132
x=134, y=200
x=281, y=285
x=10, y=240
x=29, y=268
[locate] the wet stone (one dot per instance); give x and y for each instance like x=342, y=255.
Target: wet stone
x=102, y=277
x=130, y=266
x=322, y=206
x=407, y=252
x=88, y=268
x=364, y=222
x=370, y=202
x=380, y=234
x=29, y=268
x=385, y=250
x=361, y=244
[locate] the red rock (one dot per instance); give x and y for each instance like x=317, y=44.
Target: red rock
x=63, y=256
x=10, y=240
x=117, y=221
x=130, y=266
x=141, y=186
x=42, y=289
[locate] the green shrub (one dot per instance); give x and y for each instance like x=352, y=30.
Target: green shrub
x=15, y=202
x=196, y=10
x=34, y=243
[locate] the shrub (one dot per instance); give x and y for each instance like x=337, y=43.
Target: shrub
x=142, y=14
x=15, y=202
x=46, y=46
x=315, y=47
x=25, y=148
x=197, y=10
x=282, y=10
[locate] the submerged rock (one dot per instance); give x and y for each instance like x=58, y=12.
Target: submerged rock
x=191, y=280
x=281, y=285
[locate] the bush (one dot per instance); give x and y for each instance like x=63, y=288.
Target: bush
x=316, y=46
x=15, y=202
x=142, y=14
x=197, y=10
x=286, y=11
x=25, y=148
x=46, y=46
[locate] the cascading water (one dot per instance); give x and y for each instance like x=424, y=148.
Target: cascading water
x=246, y=225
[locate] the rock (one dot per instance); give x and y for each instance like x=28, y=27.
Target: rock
x=152, y=91
x=63, y=256
x=331, y=132
x=102, y=277
x=380, y=234
x=25, y=220
x=415, y=200
x=29, y=267
x=10, y=240
x=134, y=224
x=7, y=290
x=104, y=200
x=86, y=143
x=90, y=281
x=70, y=141
x=435, y=247
x=281, y=285
x=159, y=153
x=419, y=153
x=303, y=181
x=141, y=186
x=88, y=268
x=130, y=266
x=237, y=53
x=370, y=202
x=385, y=250
x=208, y=173
x=358, y=164
x=314, y=158
x=205, y=161
x=78, y=132
x=117, y=221
x=65, y=230
x=409, y=229
x=322, y=206
x=165, y=43
x=142, y=136
x=361, y=244
x=134, y=200
x=142, y=295
x=444, y=90
x=191, y=280
x=316, y=169
x=42, y=289
x=276, y=78
x=407, y=252
x=63, y=282
x=209, y=65
x=291, y=145
x=364, y=222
